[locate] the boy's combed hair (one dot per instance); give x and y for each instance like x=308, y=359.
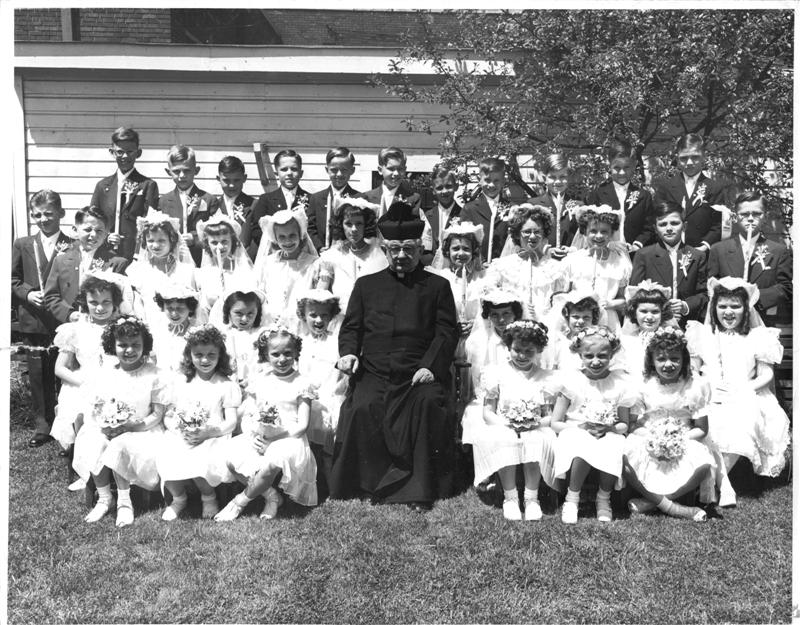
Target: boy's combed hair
x=487, y=307
x=93, y=284
x=181, y=154
x=205, y=335
x=603, y=333
x=540, y=214
x=216, y=230
x=751, y=195
x=587, y=303
x=248, y=297
x=555, y=162
x=45, y=197
x=338, y=217
x=669, y=340
x=527, y=331
x=191, y=302
x=125, y=134
x=287, y=154
x=739, y=293
x=644, y=296
x=492, y=164
x=90, y=211
x=126, y=327
x=441, y=172
x=172, y=235
x=588, y=216
x=667, y=207
x=391, y=153
x=262, y=342
x=230, y=164
x=340, y=152
x=619, y=149
x=333, y=306
x=690, y=140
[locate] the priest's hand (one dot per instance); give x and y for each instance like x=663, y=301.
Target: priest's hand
x=422, y=376
x=348, y=364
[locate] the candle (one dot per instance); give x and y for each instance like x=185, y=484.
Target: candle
x=558, y=223
x=463, y=292
x=218, y=254
x=530, y=280
x=38, y=264
x=748, y=251
x=328, y=219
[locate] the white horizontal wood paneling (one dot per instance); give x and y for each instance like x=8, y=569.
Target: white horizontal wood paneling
x=70, y=114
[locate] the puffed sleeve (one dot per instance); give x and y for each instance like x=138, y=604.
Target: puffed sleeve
x=489, y=385
x=232, y=397
x=696, y=338
x=571, y=385
x=766, y=344
x=306, y=389
x=160, y=392
x=65, y=337
x=627, y=391
x=699, y=398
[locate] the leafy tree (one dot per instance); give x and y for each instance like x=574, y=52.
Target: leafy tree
x=573, y=80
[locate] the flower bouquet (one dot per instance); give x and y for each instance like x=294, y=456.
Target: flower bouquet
x=522, y=416
x=192, y=419
x=666, y=439
x=600, y=413
x=268, y=414
x=110, y=412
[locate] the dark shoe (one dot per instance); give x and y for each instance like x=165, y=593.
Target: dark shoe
x=39, y=439
x=420, y=507
x=65, y=453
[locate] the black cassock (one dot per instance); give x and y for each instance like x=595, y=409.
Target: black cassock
x=395, y=441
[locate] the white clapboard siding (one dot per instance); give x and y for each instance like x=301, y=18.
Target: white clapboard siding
x=70, y=114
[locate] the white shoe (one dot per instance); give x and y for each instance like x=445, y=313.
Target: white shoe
x=511, y=510
x=77, y=486
x=569, y=513
x=172, y=512
x=210, y=508
x=229, y=512
x=124, y=515
x=639, y=505
x=603, y=510
x=533, y=511
x=100, y=509
x=727, y=496
x=274, y=501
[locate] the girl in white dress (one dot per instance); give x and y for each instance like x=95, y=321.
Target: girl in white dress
x=80, y=353
x=122, y=429
x=355, y=249
x=317, y=310
x=591, y=419
x=224, y=260
x=178, y=305
x=514, y=428
x=601, y=268
x=528, y=271
x=665, y=455
x=647, y=309
x=284, y=262
x=735, y=352
x=163, y=257
x=273, y=437
x=571, y=312
x=201, y=416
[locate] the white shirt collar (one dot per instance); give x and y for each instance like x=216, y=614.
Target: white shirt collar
x=289, y=196
x=52, y=239
x=691, y=182
x=620, y=188
x=387, y=192
x=125, y=176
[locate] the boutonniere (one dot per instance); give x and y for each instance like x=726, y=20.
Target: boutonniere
x=130, y=188
x=301, y=201
x=684, y=263
x=63, y=246
x=504, y=211
x=699, y=194
x=195, y=204
x=238, y=212
x=97, y=264
x=571, y=207
x=760, y=257
x=631, y=200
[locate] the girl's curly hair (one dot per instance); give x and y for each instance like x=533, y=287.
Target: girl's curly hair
x=468, y=236
x=526, y=331
x=165, y=227
x=588, y=216
x=540, y=214
x=93, y=284
x=739, y=293
x=648, y=297
x=218, y=230
x=205, y=335
x=602, y=332
x=333, y=306
x=337, y=219
x=126, y=327
x=587, y=303
x=191, y=302
x=487, y=307
x=669, y=340
x=262, y=342
x=248, y=297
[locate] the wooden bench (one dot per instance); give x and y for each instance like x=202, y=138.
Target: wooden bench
x=784, y=388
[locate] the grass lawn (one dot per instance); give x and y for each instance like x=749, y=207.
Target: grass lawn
x=352, y=562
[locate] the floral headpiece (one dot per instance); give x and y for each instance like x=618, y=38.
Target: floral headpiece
x=109, y=276
x=573, y=297
x=463, y=228
x=358, y=202
x=603, y=209
x=276, y=329
x=205, y=332
x=242, y=285
x=601, y=331
x=128, y=319
x=176, y=290
x=218, y=218
x=318, y=295
x=499, y=297
x=646, y=285
x=282, y=217
x=730, y=283
x=667, y=334
x=156, y=218
x=538, y=329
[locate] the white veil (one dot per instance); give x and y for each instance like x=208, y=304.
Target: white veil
x=238, y=261
x=268, y=242
x=180, y=255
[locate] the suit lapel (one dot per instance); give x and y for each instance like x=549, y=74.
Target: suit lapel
x=608, y=194
x=756, y=269
x=735, y=257
x=663, y=265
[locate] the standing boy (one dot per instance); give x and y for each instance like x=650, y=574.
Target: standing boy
x=621, y=193
x=395, y=187
x=695, y=192
x=233, y=202
x=187, y=202
x=128, y=189
x=442, y=214
x=340, y=164
x=488, y=208
x=31, y=260
x=750, y=255
x=556, y=197
x=289, y=167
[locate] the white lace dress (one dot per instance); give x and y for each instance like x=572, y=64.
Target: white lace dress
x=533, y=284
x=282, y=280
x=346, y=266
x=146, y=280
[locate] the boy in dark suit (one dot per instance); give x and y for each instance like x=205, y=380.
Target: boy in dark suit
x=695, y=192
x=395, y=187
x=187, y=202
x=750, y=255
x=556, y=197
x=289, y=167
x=90, y=253
x=340, y=164
x=620, y=193
x=673, y=264
x=32, y=258
x=442, y=214
x=233, y=202
x=489, y=209
x=128, y=189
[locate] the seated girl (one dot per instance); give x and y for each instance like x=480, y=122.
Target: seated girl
x=647, y=310
x=571, y=312
x=178, y=306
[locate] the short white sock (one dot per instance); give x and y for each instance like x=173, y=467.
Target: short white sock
x=211, y=497
x=603, y=495
x=511, y=495
x=573, y=496
x=104, y=494
x=531, y=495
x=123, y=496
x=242, y=500
x=179, y=501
